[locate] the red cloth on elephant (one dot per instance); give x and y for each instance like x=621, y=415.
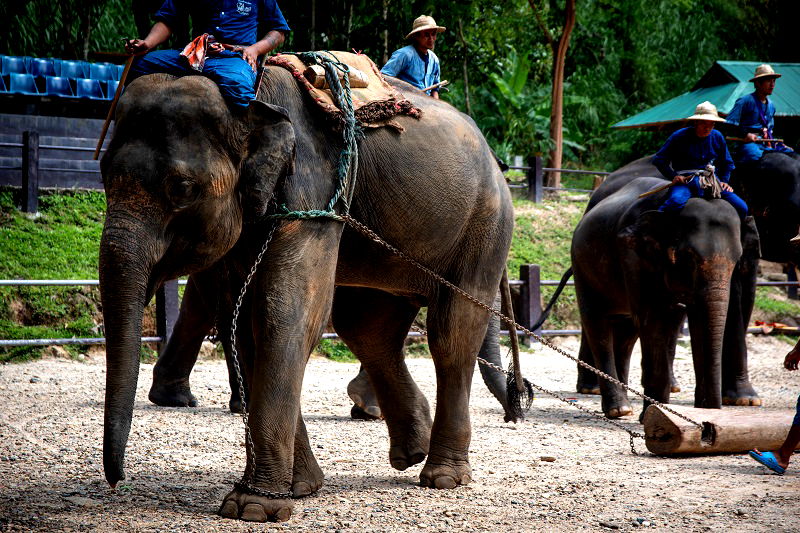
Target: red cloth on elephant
x=374, y=105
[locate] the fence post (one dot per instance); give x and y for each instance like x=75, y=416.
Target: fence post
x=535, y=180
x=791, y=275
x=530, y=295
x=167, y=308
x=30, y=171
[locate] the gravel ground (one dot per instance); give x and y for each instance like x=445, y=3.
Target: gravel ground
x=181, y=462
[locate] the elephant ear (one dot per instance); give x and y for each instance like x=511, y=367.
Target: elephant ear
x=651, y=237
x=269, y=152
x=751, y=244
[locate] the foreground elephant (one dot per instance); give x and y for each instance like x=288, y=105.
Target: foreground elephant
x=181, y=175
x=207, y=305
x=639, y=273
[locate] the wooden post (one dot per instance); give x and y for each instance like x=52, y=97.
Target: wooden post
x=30, y=171
x=791, y=275
x=725, y=430
x=598, y=181
x=535, y=180
x=167, y=308
x=530, y=295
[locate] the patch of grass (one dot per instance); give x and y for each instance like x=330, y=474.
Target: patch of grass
x=772, y=305
x=336, y=351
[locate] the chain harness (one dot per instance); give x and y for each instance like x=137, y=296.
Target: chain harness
x=347, y=168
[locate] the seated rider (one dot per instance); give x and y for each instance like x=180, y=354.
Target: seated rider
x=416, y=63
x=232, y=62
x=689, y=150
x=754, y=115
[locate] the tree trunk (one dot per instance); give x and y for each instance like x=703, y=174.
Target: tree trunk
x=313, y=24
x=553, y=179
x=385, y=14
x=349, y=26
x=467, y=105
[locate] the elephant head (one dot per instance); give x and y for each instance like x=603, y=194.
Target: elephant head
x=693, y=254
x=181, y=174
x=771, y=188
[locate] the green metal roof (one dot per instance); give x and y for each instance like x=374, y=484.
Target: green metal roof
x=722, y=85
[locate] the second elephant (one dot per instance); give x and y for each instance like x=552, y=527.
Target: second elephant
x=639, y=272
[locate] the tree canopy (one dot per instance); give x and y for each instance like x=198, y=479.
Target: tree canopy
x=624, y=55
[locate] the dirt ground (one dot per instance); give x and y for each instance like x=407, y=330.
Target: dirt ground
x=181, y=462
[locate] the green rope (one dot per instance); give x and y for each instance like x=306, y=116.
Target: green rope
x=347, y=167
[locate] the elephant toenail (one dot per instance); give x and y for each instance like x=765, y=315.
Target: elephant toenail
x=254, y=512
x=229, y=509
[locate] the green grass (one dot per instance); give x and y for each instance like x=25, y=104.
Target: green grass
x=336, y=351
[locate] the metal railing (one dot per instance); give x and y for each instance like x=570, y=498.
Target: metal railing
x=528, y=303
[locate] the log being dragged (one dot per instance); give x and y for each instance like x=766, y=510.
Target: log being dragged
x=724, y=430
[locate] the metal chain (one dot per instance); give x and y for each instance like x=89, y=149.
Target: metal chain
x=370, y=234
x=245, y=484
x=599, y=416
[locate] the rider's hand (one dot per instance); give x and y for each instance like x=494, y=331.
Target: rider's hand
x=792, y=359
x=751, y=137
x=250, y=55
x=726, y=187
x=137, y=46
x=680, y=179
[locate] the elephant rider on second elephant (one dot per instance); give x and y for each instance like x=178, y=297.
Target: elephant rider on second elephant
x=692, y=149
x=416, y=63
x=754, y=115
x=225, y=50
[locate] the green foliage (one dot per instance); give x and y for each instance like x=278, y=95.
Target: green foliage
x=336, y=351
x=774, y=306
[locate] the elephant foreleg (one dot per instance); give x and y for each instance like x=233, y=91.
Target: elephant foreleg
x=736, y=386
x=171, y=372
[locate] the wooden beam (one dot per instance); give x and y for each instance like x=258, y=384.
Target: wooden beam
x=734, y=430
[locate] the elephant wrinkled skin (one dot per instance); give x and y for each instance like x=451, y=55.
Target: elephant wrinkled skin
x=185, y=180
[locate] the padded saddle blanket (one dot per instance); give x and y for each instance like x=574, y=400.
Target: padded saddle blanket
x=374, y=105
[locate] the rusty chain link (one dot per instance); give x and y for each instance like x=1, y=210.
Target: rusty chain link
x=370, y=234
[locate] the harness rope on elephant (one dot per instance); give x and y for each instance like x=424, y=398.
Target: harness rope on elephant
x=347, y=168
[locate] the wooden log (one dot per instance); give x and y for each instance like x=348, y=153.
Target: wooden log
x=315, y=74
x=725, y=430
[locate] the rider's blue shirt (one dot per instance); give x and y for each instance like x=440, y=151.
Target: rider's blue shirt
x=751, y=115
x=229, y=21
x=406, y=64
x=684, y=150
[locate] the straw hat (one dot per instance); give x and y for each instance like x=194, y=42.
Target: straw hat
x=424, y=22
x=765, y=71
x=706, y=111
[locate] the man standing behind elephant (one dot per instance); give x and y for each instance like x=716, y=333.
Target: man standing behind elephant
x=693, y=148
x=416, y=63
x=754, y=115
x=229, y=59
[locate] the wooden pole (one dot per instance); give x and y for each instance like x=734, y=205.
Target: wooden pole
x=657, y=189
x=743, y=140
x=726, y=430
x=436, y=85
x=113, y=107
x=30, y=171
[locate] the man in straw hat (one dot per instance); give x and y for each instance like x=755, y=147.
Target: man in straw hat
x=754, y=115
x=691, y=150
x=416, y=63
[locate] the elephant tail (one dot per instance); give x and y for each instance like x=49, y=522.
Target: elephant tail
x=518, y=389
x=549, y=307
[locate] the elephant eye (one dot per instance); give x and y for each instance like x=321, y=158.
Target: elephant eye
x=182, y=192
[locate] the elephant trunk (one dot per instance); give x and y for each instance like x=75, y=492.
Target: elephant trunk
x=707, y=316
x=125, y=266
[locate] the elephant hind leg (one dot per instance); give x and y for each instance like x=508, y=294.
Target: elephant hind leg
x=456, y=329
x=374, y=324
x=587, y=380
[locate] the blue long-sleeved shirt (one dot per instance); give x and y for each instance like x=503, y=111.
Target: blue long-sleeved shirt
x=229, y=21
x=745, y=114
x=407, y=65
x=684, y=150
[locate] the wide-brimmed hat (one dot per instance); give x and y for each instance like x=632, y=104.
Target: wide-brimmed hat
x=764, y=71
x=706, y=111
x=422, y=23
